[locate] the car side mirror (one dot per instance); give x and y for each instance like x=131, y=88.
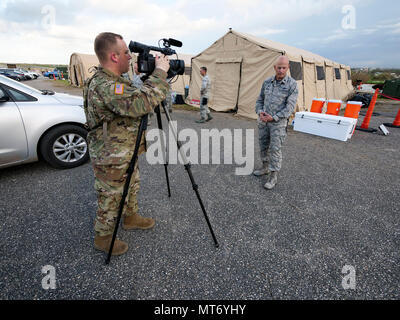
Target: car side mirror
x=4, y=99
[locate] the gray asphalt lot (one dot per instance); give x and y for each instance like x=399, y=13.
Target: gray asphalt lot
x=335, y=204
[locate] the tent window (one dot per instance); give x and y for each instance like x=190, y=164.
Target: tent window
x=296, y=70
x=348, y=75
x=188, y=70
x=337, y=73
x=320, y=73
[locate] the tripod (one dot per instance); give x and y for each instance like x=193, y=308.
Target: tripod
x=187, y=165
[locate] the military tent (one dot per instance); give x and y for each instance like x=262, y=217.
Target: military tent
x=238, y=63
x=178, y=85
x=81, y=68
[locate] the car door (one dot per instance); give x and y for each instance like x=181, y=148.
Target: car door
x=13, y=142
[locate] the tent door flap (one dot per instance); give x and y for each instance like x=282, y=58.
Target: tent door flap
x=226, y=88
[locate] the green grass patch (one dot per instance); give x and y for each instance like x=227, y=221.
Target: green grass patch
x=61, y=83
x=185, y=107
x=376, y=82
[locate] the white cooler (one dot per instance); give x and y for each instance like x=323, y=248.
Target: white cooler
x=325, y=125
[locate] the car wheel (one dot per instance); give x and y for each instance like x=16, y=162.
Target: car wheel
x=65, y=147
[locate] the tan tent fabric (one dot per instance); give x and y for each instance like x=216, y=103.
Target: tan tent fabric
x=300, y=100
x=310, y=88
x=238, y=63
x=179, y=85
x=226, y=86
x=330, y=75
x=349, y=82
x=320, y=84
x=80, y=68
x=337, y=87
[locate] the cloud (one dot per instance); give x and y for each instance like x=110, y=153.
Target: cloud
x=338, y=34
x=369, y=31
x=267, y=31
x=136, y=20
x=391, y=26
x=198, y=23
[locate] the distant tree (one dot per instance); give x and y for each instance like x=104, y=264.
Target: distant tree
x=383, y=77
x=359, y=76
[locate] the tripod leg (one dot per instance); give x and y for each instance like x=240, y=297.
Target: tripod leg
x=189, y=171
x=196, y=190
x=158, y=112
x=142, y=128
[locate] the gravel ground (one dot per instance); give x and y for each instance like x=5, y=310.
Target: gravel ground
x=335, y=204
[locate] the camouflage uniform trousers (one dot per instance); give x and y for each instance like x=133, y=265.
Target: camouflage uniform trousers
x=271, y=137
x=204, y=108
x=109, y=185
x=168, y=101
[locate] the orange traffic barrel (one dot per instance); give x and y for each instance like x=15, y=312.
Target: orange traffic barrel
x=333, y=107
x=317, y=105
x=353, y=109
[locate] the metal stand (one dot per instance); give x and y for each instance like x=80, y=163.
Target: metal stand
x=391, y=125
x=370, y=130
x=187, y=165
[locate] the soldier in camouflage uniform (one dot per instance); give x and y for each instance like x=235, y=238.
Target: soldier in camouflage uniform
x=113, y=108
x=274, y=106
x=205, y=113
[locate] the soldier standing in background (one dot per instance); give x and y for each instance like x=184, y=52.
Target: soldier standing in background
x=113, y=108
x=137, y=80
x=205, y=113
x=274, y=106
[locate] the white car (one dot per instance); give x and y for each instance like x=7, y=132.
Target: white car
x=40, y=124
x=29, y=75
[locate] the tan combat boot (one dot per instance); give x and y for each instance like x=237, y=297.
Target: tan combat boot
x=272, y=180
x=136, y=221
x=263, y=171
x=103, y=243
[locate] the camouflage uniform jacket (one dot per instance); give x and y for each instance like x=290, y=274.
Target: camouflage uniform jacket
x=205, y=87
x=278, y=98
x=113, y=108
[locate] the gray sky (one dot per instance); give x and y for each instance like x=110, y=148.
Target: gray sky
x=353, y=32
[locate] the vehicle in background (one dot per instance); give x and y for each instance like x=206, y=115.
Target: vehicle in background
x=32, y=75
x=25, y=74
x=51, y=74
x=41, y=124
x=12, y=75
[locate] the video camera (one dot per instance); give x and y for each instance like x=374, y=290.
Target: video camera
x=147, y=63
